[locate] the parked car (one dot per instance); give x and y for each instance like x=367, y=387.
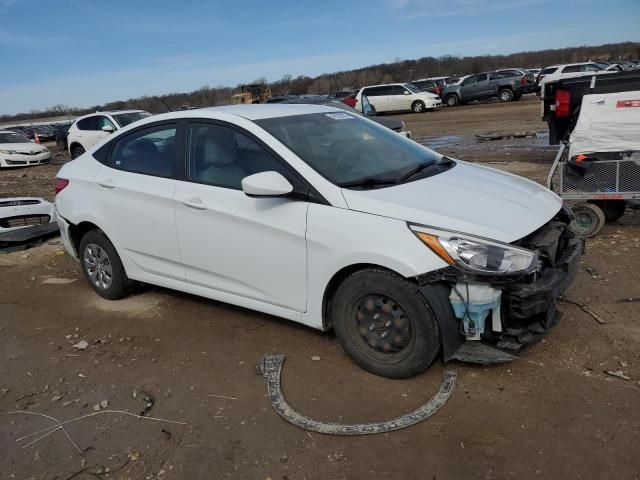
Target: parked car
x=398, y=97
x=322, y=217
x=16, y=150
x=61, y=132
x=350, y=101
x=527, y=78
x=556, y=72
x=86, y=131
x=397, y=126
x=505, y=86
x=339, y=95
x=432, y=85
x=278, y=98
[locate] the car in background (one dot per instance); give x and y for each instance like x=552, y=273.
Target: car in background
x=504, y=85
x=350, y=101
x=278, y=98
x=398, y=97
x=16, y=150
x=397, y=126
x=433, y=85
x=61, y=132
x=339, y=95
x=86, y=131
x=527, y=78
x=556, y=72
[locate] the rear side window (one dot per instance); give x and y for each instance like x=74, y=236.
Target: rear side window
x=573, y=69
x=548, y=70
x=151, y=151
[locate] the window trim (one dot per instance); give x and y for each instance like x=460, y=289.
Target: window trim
x=175, y=173
x=302, y=189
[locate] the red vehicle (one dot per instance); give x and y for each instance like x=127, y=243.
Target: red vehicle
x=350, y=100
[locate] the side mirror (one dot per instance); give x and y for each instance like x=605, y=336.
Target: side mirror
x=266, y=184
x=407, y=93
x=108, y=129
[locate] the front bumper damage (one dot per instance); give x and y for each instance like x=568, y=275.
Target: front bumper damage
x=527, y=309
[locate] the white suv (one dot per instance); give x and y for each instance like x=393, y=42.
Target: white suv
x=88, y=130
x=556, y=72
x=397, y=97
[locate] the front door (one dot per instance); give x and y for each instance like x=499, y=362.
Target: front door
x=232, y=243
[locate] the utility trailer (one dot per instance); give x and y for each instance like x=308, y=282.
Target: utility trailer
x=598, y=165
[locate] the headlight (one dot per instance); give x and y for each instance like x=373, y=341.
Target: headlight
x=9, y=152
x=479, y=255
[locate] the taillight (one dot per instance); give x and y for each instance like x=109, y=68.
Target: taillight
x=523, y=80
x=60, y=184
x=563, y=104
x=438, y=90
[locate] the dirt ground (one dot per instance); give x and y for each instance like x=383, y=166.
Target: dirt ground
x=552, y=414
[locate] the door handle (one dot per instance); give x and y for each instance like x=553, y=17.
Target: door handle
x=107, y=183
x=194, y=203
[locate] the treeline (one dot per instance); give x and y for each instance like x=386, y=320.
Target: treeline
x=397, y=71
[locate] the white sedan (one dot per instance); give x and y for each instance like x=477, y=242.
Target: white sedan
x=326, y=218
x=16, y=150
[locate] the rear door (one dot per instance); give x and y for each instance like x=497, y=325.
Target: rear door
x=90, y=130
x=231, y=243
x=378, y=97
x=134, y=197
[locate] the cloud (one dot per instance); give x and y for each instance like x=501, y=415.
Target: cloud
x=414, y=9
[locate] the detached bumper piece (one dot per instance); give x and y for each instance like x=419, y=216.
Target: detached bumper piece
x=19, y=239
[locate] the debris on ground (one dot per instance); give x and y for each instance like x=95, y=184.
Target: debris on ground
x=618, y=374
x=584, y=308
x=81, y=345
x=58, y=281
x=270, y=367
x=504, y=136
x=315, y=358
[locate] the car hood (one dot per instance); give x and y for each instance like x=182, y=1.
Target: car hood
x=22, y=147
x=467, y=198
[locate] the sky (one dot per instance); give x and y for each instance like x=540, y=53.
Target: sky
x=87, y=52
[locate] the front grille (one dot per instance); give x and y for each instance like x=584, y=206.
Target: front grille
x=31, y=152
x=24, y=221
x=16, y=162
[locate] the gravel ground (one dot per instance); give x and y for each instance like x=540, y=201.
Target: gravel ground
x=552, y=414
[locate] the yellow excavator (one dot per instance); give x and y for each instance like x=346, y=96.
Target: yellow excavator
x=256, y=93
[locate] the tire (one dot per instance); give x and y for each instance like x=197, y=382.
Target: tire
x=62, y=145
x=385, y=324
x=505, y=95
x=418, y=106
x=589, y=219
x=517, y=96
x=452, y=100
x=613, y=209
x=109, y=278
x=76, y=151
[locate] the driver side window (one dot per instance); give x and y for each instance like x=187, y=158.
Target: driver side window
x=221, y=156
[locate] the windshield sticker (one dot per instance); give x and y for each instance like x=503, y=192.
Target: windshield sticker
x=339, y=116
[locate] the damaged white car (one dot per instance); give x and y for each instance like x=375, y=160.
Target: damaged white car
x=16, y=150
x=323, y=217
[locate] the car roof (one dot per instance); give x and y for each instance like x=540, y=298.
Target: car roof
x=387, y=84
x=264, y=110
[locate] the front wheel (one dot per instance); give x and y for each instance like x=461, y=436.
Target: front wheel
x=385, y=324
x=102, y=266
x=417, y=106
x=62, y=146
x=452, y=100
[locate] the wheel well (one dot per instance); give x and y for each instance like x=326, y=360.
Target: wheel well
x=76, y=232
x=335, y=282
x=452, y=95
x=74, y=145
x=507, y=87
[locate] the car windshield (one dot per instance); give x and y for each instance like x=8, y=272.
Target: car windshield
x=352, y=152
x=125, y=119
x=412, y=87
x=14, y=137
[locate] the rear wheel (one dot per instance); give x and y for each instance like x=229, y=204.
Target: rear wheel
x=62, y=146
x=589, y=219
x=77, y=151
x=385, y=324
x=418, y=106
x=505, y=95
x=452, y=100
x=613, y=209
x=102, y=266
